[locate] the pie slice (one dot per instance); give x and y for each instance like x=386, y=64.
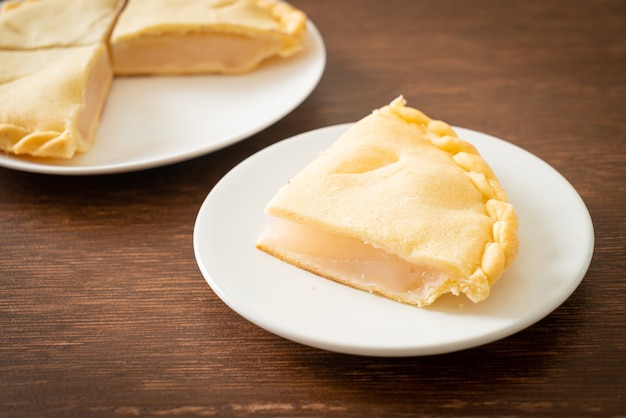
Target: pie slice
x=398, y=206
x=35, y=24
x=203, y=36
x=52, y=99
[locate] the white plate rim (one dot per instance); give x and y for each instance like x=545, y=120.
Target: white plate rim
x=274, y=325
x=33, y=165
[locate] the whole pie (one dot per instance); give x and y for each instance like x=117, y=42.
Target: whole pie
x=399, y=206
x=56, y=68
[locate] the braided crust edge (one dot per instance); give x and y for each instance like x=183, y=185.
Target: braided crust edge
x=500, y=252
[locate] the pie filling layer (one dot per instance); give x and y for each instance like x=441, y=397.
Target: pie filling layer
x=349, y=261
x=189, y=53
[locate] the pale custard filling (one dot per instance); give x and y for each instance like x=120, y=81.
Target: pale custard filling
x=180, y=53
x=349, y=260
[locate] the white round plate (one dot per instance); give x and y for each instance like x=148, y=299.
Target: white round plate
x=154, y=121
x=556, y=246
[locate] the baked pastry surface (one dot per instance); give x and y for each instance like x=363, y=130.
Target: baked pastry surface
x=35, y=24
x=52, y=99
x=203, y=36
x=55, y=65
x=399, y=206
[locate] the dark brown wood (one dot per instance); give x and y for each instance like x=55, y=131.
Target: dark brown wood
x=103, y=311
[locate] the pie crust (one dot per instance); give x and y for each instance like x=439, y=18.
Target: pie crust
x=56, y=98
x=400, y=206
x=203, y=36
x=36, y=24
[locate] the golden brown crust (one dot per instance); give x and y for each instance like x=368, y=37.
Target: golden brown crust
x=35, y=24
x=150, y=34
x=502, y=249
x=292, y=23
x=56, y=96
x=253, y=17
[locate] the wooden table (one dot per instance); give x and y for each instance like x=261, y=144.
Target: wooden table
x=104, y=312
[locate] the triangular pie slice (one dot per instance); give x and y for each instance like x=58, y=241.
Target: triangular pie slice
x=52, y=99
x=398, y=206
x=35, y=24
x=203, y=36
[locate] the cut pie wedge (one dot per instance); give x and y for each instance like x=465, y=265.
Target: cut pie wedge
x=398, y=206
x=52, y=99
x=203, y=36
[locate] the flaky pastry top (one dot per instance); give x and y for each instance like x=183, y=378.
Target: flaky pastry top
x=46, y=89
x=35, y=24
x=242, y=17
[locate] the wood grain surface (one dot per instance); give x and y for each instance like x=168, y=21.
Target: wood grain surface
x=104, y=313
